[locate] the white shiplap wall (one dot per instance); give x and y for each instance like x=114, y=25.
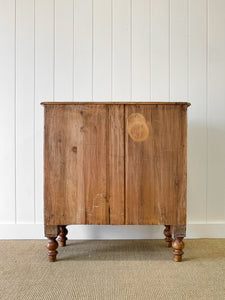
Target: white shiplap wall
x=147, y=50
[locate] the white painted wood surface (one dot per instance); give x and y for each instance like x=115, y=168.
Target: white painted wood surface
x=7, y=112
x=216, y=111
x=121, y=50
x=102, y=50
x=44, y=88
x=24, y=92
x=160, y=50
x=63, y=50
x=164, y=50
x=140, y=83
x=83, y=50
x=197, y=130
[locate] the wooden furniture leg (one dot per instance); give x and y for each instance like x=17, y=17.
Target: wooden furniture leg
x=52, y=246
x=168, y=236
x=51, y=232
x=62, y=235
x=178, y=244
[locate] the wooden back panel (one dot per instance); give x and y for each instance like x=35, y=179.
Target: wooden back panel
x=82, y=153
x=156, y=145
x=115, y=164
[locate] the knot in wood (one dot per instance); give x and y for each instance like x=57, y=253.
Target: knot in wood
x=137, y=127
x=74, y=149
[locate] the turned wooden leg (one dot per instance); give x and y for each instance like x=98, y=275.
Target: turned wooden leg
x=51, y=232
x=52, y=246
x=62, y=235
x=178, y=245
x=168, y=236
x=179, y=232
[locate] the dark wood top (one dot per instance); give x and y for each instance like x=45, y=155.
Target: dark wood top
x=111, y=102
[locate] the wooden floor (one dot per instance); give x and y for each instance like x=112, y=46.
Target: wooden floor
x=125, y=269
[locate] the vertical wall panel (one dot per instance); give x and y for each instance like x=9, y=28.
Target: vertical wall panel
x=64, y=62
x=121, y=50
x=102, y=50
x=25, y=111
x=141, y=50
x=121, y=60
x=178, y=50
x=83, y=50
x=7, y=111
x=160, y=50
x=44, y=55
x=197, y=131
x=216, y=111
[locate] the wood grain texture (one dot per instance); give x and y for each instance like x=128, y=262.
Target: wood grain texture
x=75, y=165
x=116, y=163
x=114, y=102
x=156, y=167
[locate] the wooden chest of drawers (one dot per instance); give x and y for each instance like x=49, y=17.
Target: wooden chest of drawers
x=115, y=163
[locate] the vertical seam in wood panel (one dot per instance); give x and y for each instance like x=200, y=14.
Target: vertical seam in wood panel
x=169, y=50
x=111, y=50
x=107, y=164
x=92, y=52
x=53, y=50
x=131, y=52
x=124, y=154
x=15, y=111
x=150, y=50
x=206, y=119
x=188, y=86
x=187, y=50
x=73, y=57
x=34, y=3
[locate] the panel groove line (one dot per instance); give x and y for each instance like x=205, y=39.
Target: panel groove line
x=7, y=111
x=25, y=111
x=84, y=50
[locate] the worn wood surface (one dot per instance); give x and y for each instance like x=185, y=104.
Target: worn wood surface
x=115, y=175
x=156, y=165
x=84, y=164
x=75, y=165
x=115, y=164
x=114, y=102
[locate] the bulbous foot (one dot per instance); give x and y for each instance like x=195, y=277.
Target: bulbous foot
x=62, y=235
x=168, y=236
x=52, y=246
x=178, y=245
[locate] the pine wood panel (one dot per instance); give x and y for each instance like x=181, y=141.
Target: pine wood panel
x=94, y=164
x=84, y=164
x=75, y=165
x=116, y=163
x=114, y=102
x=155, y=158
